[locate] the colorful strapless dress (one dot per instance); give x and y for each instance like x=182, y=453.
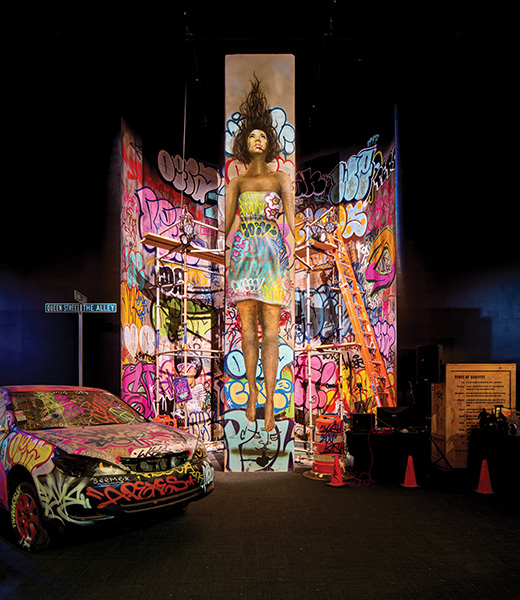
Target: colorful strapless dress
x=259, y=257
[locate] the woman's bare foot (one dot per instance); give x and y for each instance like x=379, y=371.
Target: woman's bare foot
x=269, y=415
x=251, y=404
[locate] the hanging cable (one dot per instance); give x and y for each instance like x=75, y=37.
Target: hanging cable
x=184, y=144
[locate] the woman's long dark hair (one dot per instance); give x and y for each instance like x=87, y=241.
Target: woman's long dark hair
x=255, y=114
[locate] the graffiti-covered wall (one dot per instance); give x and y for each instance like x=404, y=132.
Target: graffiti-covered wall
x=157, y=191
x=360, y=187
x=171, y=310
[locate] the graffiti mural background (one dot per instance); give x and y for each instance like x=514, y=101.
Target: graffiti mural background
x=155, y=192
x=361, y=188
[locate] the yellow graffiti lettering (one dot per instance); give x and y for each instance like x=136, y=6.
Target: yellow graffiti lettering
x=29, y=452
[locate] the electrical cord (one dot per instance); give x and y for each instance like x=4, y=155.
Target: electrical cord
x=365, y=478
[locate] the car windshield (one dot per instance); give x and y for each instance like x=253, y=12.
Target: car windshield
x=57, y=409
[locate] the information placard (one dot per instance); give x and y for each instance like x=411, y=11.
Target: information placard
x=470, y=388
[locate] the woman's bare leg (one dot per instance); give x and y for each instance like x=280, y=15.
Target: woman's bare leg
x=270, y=322
x=248, y=310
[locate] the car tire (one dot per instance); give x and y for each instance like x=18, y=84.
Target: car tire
x=26, y=518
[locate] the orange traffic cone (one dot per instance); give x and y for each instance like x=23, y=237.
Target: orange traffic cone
x=484, y=484
x=336, y=479
x=409, y=478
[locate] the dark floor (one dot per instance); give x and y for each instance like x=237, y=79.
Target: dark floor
x=285, y=536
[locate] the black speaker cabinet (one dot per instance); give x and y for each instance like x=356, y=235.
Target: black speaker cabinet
x=363, y=423
x=428, y=363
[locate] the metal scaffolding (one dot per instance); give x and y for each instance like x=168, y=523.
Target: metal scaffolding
x=184, y=246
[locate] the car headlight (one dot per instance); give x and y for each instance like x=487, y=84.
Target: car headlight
x=84, y=466
x=103, y=469
x=200, y=451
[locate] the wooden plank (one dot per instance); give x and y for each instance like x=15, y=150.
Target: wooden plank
x=166, y=243
x=315, y=247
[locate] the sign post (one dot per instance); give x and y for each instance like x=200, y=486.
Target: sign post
x=82, y=299
x=80, y=307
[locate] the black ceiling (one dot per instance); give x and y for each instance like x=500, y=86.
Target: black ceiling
x=140, y=63
x=74, y=76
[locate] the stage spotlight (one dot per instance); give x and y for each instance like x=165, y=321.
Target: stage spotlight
x=320, y=231
x=330, y=227
x=319, y=235
x=187, y=228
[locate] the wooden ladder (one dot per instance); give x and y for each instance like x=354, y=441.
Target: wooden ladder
x=361, y=326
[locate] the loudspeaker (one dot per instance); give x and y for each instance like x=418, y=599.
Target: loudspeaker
x=363, y=423
x=428, y=364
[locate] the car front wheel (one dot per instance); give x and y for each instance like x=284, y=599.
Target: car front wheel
x=26, y=518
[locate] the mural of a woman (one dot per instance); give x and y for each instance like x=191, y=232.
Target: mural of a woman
x=258, y=279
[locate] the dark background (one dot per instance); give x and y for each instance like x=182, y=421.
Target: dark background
x=443, y=74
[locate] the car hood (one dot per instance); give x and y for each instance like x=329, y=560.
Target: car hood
x=113, y=442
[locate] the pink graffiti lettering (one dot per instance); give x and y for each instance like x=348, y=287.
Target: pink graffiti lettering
x=138, y=387
x=385, y=334
x=4, y=499
x=70, y=408
x=321, y=374
x=156, y=213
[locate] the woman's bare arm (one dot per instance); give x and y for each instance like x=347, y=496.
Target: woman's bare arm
x=287, y=194
x=232, y=192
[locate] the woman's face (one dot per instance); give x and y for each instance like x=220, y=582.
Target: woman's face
x=257, y=142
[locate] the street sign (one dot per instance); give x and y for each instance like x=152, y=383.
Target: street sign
x=71, y=307
x=93, y=308
x=80, y=297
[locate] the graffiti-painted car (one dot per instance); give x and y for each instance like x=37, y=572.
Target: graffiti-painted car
x=76, y=455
